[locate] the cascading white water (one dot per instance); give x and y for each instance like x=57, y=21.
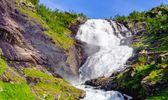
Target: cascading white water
x=106, y=54
x=111, y=55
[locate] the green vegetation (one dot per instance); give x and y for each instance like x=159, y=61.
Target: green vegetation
x=157, y=28
x=142, y=74
x=154, y=22
x=31, y=83
x=49, y=88
x=162, y=96
x=13, y=86
x=134, y=77
x=3, y=66
x=149, y=74
x=55, y=21
x=13, y=91
x=34, y=2
x=34, y=85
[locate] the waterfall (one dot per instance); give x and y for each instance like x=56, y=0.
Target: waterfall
x=111, y=55
x=108, y=52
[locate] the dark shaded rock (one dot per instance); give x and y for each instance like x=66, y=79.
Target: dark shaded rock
x=24, y=44
x=103, y=83
x=80, y=46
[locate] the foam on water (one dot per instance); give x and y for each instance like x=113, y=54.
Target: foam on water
x=103, y=39
x=111, y=55
x=95, y=94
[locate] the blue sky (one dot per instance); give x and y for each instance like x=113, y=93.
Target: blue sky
x=103, y=8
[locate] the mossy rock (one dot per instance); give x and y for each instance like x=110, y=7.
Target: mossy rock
x=50, y=88
x=3, y=65
x=14, y=91
x=14, y=87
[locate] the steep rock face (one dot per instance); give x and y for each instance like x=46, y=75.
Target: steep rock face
x=80, y=46
x=24, y=44
x=32, y=57
x=13, y=43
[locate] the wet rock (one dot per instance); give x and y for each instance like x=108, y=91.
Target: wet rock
x=103, y=83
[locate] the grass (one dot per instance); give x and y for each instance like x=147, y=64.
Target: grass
x=14, y=87
x=41, y=86
x=12, y=76
x=13, y=91
x=57, y=23
x=49, y=88
x=3, y=65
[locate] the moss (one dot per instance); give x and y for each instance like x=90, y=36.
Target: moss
x=13, y=91
x=155, y=76
x=12, y=76
x=34, y=73
x=57, y=23
x=14, y=87
x=31, y=14
x=61, y=39
x=130, y=79
x=48, y=87
x=3, y=65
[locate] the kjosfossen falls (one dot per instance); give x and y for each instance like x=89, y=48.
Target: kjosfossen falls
x=47, y=53
x=107, y=49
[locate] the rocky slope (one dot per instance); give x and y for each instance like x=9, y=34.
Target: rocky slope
x=38, y=49
x=146, y=78
x=31, y=60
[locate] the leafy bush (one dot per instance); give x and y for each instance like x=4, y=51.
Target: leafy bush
x=35, y=2
x=154, y=22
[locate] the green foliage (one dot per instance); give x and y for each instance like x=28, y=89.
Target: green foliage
x=13, y=76
x=154, y=76
x=44, y=86
x=162, y=96
x=34, y=73
x=151, y=73
x=120, y=18
x=34, y=2
x=137, y=16
x=133, y=17
x=58, y=23
x=142, y=59
x=12, y=91
x=55, y=21
x=49, y=88
x=15, y=91
x=154, y=22
x=155, y=40
x=3, y=65
x=14, y=87
x=157, y=29
x=137, y=75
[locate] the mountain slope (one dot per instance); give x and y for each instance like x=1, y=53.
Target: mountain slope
x=32, y=56
x=147, y=75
